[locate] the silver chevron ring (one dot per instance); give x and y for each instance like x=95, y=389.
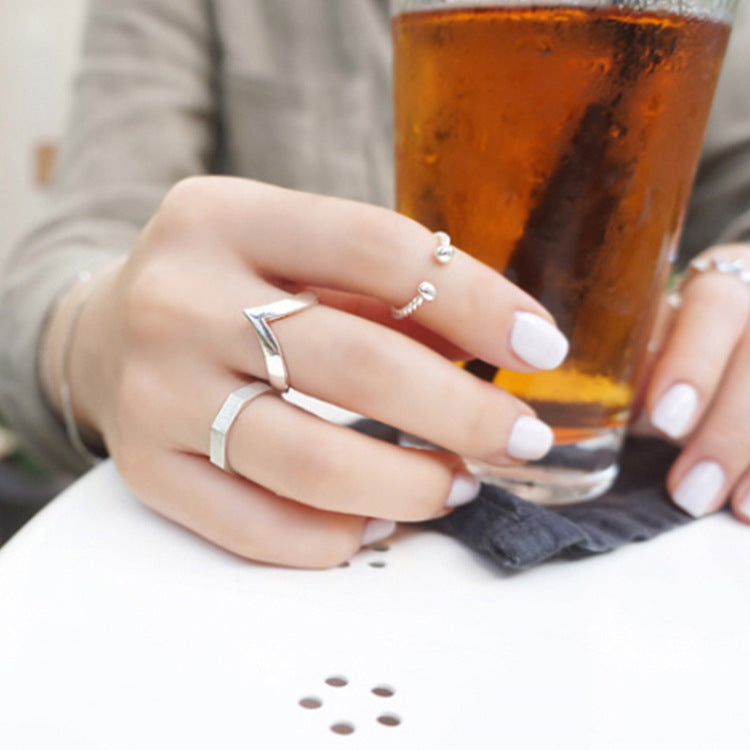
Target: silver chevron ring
x=261, y=317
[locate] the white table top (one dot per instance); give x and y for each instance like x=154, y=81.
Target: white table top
x=121, y=630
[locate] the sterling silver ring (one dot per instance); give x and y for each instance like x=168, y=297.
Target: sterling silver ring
x=235, y=402
x=261, y=317
x=444, y=252
x=698, y=266
x=734, y=267
x=426, y=291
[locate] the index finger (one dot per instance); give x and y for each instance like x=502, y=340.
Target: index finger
x=356, y=247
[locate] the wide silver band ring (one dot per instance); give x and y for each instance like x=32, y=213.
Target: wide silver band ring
x=261, y=317
x=235, y=402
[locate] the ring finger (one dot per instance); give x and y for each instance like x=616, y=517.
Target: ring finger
x=299, y=456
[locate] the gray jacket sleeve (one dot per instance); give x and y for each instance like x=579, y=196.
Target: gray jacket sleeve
x=144, y=116
x=720, y=204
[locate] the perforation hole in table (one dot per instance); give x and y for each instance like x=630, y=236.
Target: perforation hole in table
x=389, y=720
x=341, y=725
x=337, y=681
x=311, y=702
x=366, y=557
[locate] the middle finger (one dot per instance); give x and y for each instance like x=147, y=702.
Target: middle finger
x=375, y=371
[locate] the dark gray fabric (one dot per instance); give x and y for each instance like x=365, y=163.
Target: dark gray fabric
x=517, y=534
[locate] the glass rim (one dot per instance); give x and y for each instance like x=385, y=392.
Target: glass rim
x=719, y=10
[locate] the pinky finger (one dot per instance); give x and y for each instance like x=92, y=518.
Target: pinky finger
x=248, y=520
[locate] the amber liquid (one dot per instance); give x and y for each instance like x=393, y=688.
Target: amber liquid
x=559, y=145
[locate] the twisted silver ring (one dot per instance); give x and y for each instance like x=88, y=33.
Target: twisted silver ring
x=235, y=402
x=426, y=291
x=261, y=317
x=444, y=251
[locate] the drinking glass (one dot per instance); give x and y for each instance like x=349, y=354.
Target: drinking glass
x=558, y=142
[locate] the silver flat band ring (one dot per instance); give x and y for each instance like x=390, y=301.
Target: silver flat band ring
x=235, y=402
x=260, y=317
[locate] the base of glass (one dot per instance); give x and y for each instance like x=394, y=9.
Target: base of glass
x=569, y=473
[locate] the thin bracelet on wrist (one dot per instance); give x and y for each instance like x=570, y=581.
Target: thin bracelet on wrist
x=66, y=401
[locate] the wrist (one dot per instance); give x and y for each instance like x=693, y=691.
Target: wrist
x=72, y=362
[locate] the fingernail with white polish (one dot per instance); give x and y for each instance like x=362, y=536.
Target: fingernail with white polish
x=377, y=529
x=464, y=489
x=744, y=506
x=699, y=489
x=537, y=342
x=529, y=439
x=675, y=410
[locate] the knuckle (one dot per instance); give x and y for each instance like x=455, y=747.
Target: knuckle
x=317, y=469
x=188, y=196
x=371, y=370
x=191, y=206
x=732, y=443
x=378, y=236
x=372, y=224
x=152, y=306
x=481, y=431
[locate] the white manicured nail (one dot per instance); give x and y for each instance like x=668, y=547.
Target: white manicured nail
x=537, y=342
x=377, y=529
x=465, y=488
x=529, y=439
x=675, y=410
x=699, y=489
x=744, y=505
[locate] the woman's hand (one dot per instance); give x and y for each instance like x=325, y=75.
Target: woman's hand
x=162, y=341
x=699, y=389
